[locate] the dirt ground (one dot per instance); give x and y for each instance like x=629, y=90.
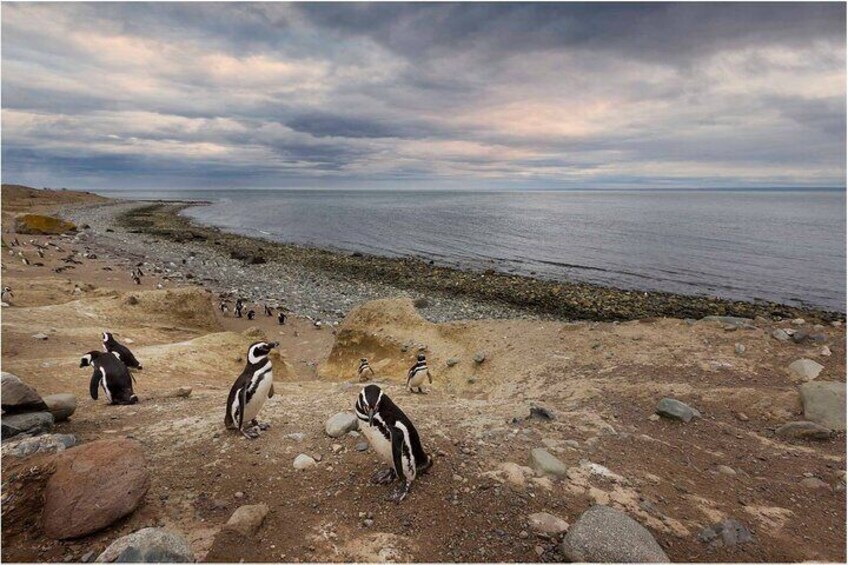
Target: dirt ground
x=601, y=380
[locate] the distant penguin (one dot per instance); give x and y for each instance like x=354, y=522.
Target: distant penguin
x=250, y=391
x=111, y=375
x=268, y=311
x=393, y=437
x=251, y=314
x=223, y=307
x=111, y=345
x=136, y=279
x=417, y=374
x=7, y=295
x=281, y=318
x=238, y=308
x=364, y=370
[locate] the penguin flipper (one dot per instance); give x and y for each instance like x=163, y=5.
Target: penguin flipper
x=242, y=405
x=397, y=452
x=94, y=385
x=271, y=391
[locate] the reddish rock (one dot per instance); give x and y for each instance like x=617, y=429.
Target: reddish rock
x=94, y=485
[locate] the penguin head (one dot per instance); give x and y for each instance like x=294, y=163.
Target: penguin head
x=421, y=357
x=363, y=360
x=370, y=398
x=107, y=337
x=88, y=358
x=260, y=350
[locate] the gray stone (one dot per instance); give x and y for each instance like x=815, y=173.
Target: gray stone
x=50, y=443
x=547, y=524
x=546, y=464
x=605, y=535
x=479, y=357
x=40, y=336
x=780, y=335
x=739, y=348
x=729, y=320
x=297, y=436
x=148, y=545
x=452, y=361
x=824, y=403
x=17, y=396
x=676, y=410
x=341, y=423
x=814, y=483
x=31, y=423
x=62, y=406
x=362, y=446
x=803, y=430
x=727, y=533
x=247, y=519
x=725, y=470
x=804, y=370
x=303, y=461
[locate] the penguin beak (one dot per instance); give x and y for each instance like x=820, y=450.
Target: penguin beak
x=274, y=344
x=370, y=415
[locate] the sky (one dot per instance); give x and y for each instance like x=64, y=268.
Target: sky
x=441, y=96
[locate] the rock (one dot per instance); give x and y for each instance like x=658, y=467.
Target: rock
x=798, y=336
x=297, y=436
x=336, y=447
x=149, y=545
x=303, y=461
x=40, y=336
x=239, y=494
x=362, y=446
x=452, y=361
x=421, y=303
x=804, y=370
x=676, y=410
x=739, y=348
x=94, y=485
x=49, y=443
x=62, y=406
x=87, y=557
x=824, y=403
x=730, y=321
x=541, y=413
x=515, y=473
x=547, y=524
x=31, y=423
x=798, y=322
x=780, y=335
x=727, y=533
x=725, y=470
x=814, y=483
x=479, y=357
x=825, y=351
x=603, y=535
x=803, y=430
x=546, y=464
x=341, y=423
x=742, y=417
x=36, y=224
x=247, y=519
x=182, y=392
x=18, y=396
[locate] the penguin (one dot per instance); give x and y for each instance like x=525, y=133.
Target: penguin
x=417, y=374
x=250, y=391
x=136, y=279
x=223, y=307
x=364, y=369
x=7, y=295
x=251, y=314
x=122, y=352
x=393, y=437
x=110, y=374
x=281, y=318
x=238, y=307
x=268, y=311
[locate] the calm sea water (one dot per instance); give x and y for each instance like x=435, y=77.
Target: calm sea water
x=783, y=246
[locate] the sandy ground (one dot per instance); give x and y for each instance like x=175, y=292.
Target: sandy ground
x=602, y=381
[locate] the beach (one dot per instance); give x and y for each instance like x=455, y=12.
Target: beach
x=597, y=359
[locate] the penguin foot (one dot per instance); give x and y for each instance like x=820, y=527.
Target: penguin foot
x=264, y=426
x=399, y=494
x=250, y=433
x=384, y=477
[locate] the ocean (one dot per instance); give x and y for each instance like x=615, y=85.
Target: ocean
x=782, y=246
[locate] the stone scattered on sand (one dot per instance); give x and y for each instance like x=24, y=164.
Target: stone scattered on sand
x=30, y=423
x=814, y=483
x=41, y=336
x=729, y=532
x=182, y=392
x=547, y=524
x=362, y=446
x=780, y=335
x=341, y=423
x=824, y=403
x=803, y=430
x=149, y=545
x=546, y=464
x=452, y=361
x=739, y=349
x=514, y=473
x=730, y=321
x=541, y=413
x=304, y=461
x=48, y=443
x=297, y=436
x=247, y=519
x=742, y=417
x=725, y=470
x=37, y=224
x=17, y=396
x=94, y=485
x=62, y=406
x=676, y=410
x=804, y=370
x=605, y=535
x=825, y=351
x=479, y=357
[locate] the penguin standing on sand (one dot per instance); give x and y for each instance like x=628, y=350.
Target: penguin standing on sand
x=223, y=307
x=364, y=370
x=393, y=437
x=122, y=352
x=417, y=374
x=136, y=279
x=111, y=375
x=7, y=295
x=268, y=311
x=250, y=391
x=238, y=307
x=251, y=314
x=281, y=318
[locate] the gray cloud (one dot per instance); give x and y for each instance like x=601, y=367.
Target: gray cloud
x=480, y=94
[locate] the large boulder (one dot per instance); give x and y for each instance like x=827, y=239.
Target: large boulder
x=824, y=403
x=148, y=545
x=17, y=396
x=804, y=370
x=94, y=485
x=676, y=410
x=247, y=519
x=341, y=423
x=605, y=535
x=49, y=443
x=62, y=406
x=803, y=430
x=31, y=424
x=36, y=224
x=546, y=464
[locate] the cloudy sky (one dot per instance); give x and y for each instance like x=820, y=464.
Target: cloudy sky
x=221, y=95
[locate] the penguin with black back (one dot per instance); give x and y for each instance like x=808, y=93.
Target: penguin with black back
x=393, y=437
x=111, y=375
x=111, y=345
x=252, y=388
x=416, y=375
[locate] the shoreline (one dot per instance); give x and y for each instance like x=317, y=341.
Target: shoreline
x=557, y=299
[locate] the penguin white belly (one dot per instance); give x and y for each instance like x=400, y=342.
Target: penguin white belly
x=381, y=446
x=418, y=379
x=254, y=405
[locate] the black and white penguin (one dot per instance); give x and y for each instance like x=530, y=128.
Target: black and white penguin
x=250, y=391
x=238, y=308
x=281, y=318
x=268, y=311
x=134, y=276
x=110, y=374
x=223, y=307
x=364, y=370
x=393, y=437
x=7, y=295
x=111, y=345
x=417, y=374
x=251, y=314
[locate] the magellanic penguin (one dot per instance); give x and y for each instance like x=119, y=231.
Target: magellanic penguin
x=394, y=438
x=7, y=295
x=111, y=345
x=110, y=374
x=281, y=318
x=416, y=375
x=364, y=371
x=250, y=391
